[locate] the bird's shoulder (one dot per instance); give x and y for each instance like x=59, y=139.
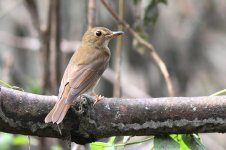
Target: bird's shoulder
x=89, y=54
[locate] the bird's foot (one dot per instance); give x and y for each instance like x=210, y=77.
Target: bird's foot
x=98, y=98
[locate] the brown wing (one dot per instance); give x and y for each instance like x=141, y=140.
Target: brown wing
x=82, y=82
x=77, y=75
x=63, y=83
x=84, y=78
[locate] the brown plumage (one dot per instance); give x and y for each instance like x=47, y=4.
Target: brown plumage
x=83, y=71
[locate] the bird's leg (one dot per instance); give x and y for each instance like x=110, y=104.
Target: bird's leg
x=98, y=97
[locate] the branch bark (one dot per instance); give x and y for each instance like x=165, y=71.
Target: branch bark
x=23, y=113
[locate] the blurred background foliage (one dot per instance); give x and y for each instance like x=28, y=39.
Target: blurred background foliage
x=189, y=36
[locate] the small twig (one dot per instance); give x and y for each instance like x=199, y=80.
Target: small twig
x=19, y=42
x=221, y=92
x=55, y=38
x=136, y=142
x=91, y=13
x=10, y=8
x=5, y=84
x=29, y=142
x=118, y=53
x=130, y=90
x=143, y=42
x=7, y=65
x=44, y=41
x=33, y=10
x=34, y=44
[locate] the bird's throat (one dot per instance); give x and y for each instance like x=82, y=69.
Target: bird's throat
x=105, y=44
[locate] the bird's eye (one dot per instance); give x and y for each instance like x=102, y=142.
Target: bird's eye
x=98, y=33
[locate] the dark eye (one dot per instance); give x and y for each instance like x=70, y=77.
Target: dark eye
x=98, y=33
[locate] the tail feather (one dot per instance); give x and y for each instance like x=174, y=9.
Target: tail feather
x=49, y=116
x=59, y=107
x=57, y=114
x=63, y=113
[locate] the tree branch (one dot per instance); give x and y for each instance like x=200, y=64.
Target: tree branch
x=91, y=14
x=24, y=113
x=30, y=43
x=54, y=45
x=117, y=90
x=33, y=10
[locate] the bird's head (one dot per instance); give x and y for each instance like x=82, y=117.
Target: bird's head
x=99, y=36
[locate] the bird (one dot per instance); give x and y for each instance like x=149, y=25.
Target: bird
x=83, y=71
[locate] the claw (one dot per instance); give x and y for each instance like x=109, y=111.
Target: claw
x=98, y=98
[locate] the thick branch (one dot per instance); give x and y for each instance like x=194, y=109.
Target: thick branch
x=23, y=113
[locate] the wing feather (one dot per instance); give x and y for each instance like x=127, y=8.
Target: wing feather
x=84, y=78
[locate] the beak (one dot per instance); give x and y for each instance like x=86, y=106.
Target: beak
x=116, y=33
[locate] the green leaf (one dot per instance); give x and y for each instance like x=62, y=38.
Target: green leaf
x=5, y=84
x=5, y=141
x=138, y=47
x=20, y=140
x=219, y=93
x=152, y=12
x=56, y=147
x=101, y=146
x=179, y=140
x=162, y=1
x=165, y=143
x=36, y=88
x=126, y=139
x=112, y=140
x=193, y=141
x=136, y=1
